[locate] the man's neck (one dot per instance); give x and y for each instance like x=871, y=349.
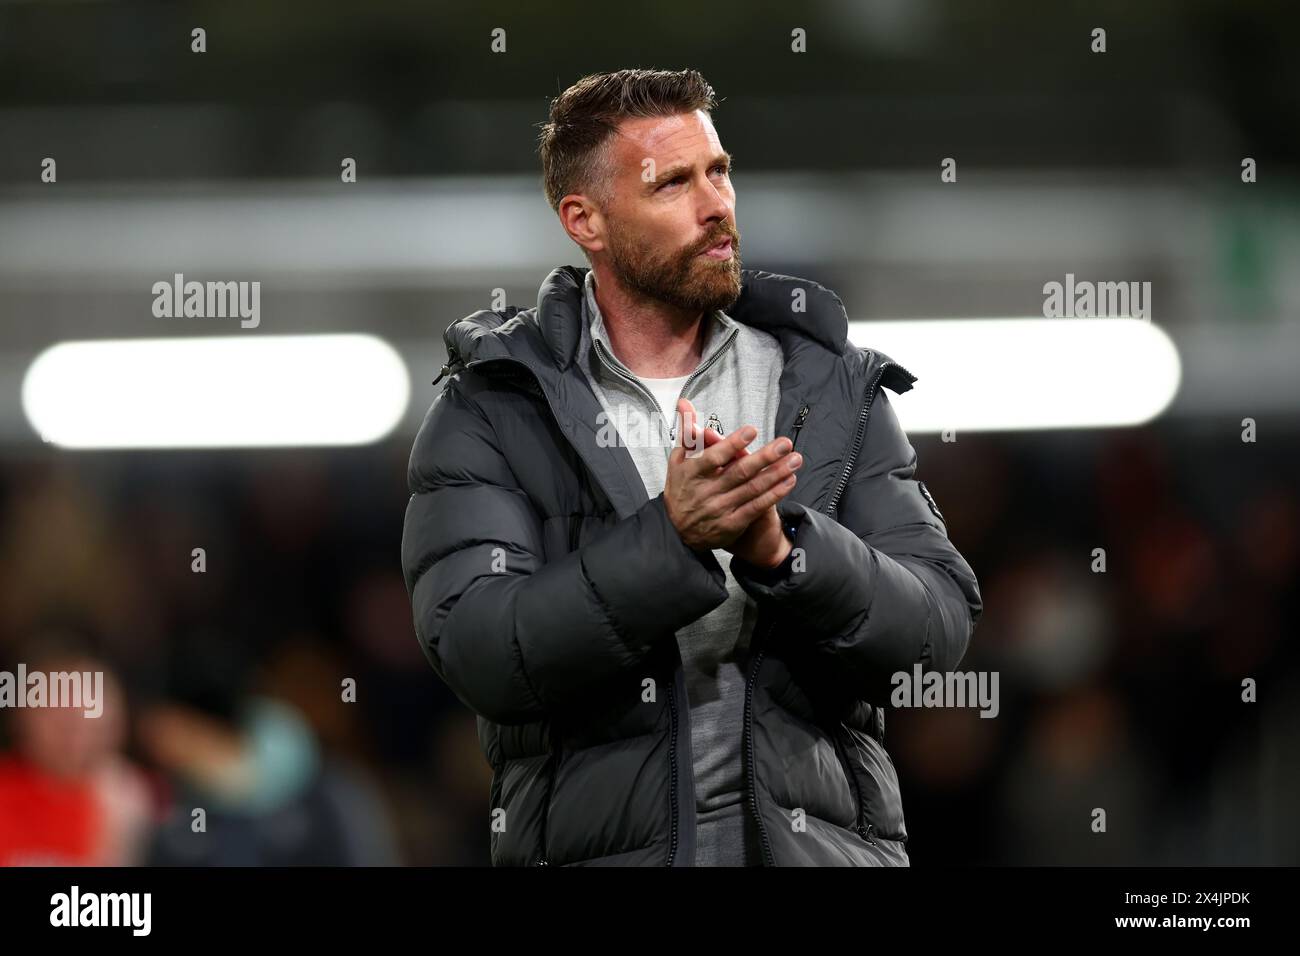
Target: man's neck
x=652, y=338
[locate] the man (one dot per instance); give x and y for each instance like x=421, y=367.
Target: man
x=677, y=648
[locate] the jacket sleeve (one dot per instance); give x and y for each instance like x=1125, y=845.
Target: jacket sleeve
x=880, y=587
x=514, y=636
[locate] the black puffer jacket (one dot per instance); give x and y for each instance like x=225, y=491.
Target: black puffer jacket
x=547, y=589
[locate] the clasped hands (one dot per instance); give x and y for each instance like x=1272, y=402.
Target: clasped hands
x=718, y=495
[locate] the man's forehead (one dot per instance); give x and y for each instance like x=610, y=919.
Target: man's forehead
x=666, y=137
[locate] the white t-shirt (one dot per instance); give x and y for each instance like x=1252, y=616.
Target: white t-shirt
x=666, y=392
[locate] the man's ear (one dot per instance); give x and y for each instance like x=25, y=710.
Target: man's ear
x=583, y=220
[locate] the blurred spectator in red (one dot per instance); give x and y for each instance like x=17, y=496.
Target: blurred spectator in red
x=68, y=797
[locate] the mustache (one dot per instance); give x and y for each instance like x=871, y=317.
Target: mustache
x=715, y=237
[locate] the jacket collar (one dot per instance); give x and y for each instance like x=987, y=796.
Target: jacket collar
x=768, y=301
x=819, y=361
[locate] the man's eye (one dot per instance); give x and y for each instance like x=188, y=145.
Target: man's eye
x=675, y=181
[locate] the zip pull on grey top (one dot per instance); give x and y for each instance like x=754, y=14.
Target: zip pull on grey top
x=667, y=391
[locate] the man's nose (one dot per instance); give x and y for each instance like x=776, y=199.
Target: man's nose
x=714, y=205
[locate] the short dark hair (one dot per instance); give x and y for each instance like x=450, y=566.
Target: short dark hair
x=585, y=117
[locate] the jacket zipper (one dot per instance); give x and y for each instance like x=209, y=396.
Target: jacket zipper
x=603, y=352
x=769, y=858
x=542, y=860
x=864, y=832
x=828, y=509
x=672, y=776
x=798, y=424
x=834, y=501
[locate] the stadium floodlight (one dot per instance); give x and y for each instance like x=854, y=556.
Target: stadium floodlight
x=217, y=392
x=1033, y=373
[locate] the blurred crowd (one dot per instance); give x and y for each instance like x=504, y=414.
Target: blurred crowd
x=230, y=735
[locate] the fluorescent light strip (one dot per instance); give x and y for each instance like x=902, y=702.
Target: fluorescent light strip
x=1018, y=374
x=322, y=390
x=217, y=392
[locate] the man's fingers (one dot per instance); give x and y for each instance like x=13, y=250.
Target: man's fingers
x=751, y=509
x=739, y=486
x=739, y=472
x=718, y=452
x=711, y=438
x=774, y=476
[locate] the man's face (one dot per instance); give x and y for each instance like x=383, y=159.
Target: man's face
x=670, y=230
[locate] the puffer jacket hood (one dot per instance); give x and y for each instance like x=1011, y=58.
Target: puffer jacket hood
x=546, y=588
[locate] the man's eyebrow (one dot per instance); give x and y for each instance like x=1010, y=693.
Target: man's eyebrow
x=723, y=159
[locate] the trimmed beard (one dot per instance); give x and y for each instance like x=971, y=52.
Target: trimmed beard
x=684, y=278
